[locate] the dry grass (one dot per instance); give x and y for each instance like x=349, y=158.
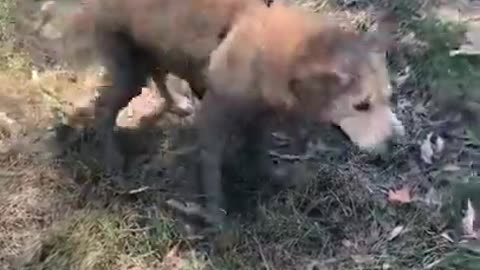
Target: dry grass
x=33, y=198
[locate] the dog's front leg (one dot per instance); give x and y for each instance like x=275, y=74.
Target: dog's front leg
x=214, y=123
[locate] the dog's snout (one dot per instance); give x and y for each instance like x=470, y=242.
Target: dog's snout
x=385, y=148
x=340, y=131
x=390, y=145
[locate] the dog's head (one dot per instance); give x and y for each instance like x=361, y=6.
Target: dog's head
x=341, y=77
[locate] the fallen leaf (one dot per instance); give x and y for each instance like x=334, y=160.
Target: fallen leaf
x=451, y=168
x=400, y=196
x=347, y=243
x=396, y=232
x=403, y=76
x=468, y=222
x=431, y=146
x=439, y=144
x=426, y=152
x=447, y=237
x=398, y=126
x=433, y=197
x=362, y=259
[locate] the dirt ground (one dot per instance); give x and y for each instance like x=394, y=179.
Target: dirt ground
x=329, y=206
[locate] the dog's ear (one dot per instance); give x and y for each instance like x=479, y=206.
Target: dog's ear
x=336, y=71
x=382, y=39
x=387, y=21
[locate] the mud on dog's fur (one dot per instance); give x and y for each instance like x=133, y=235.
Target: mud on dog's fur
x=253, y=60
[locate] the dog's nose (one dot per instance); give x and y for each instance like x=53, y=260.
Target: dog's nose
x=338, y=130
x=389, y=145
x=384, y=149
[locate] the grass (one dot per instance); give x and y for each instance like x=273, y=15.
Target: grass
x=103, y=240
x=337, y=217
x=6, y=18
x=450, y=80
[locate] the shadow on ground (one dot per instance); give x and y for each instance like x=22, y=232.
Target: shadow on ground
x=162, y=163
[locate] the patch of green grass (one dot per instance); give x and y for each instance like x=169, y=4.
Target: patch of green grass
x=102, y=240
x=466, y=256
x=453, y=82
x=449, y=78
x=14, y=62
x=6, y=18
x=10, y=58
x=334, y=220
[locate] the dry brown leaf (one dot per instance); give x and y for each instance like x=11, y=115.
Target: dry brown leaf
x=400, y=196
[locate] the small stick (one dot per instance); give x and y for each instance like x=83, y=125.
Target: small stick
x=190, y=209
x=288, y=157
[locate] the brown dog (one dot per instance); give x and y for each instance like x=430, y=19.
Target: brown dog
x=254, y=60
x=126, y=37
x=77, y=42
x=312, y=69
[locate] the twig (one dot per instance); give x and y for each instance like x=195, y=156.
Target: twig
x=182, y=151
x=10, y=174
x=190, y=209
x=139, y=190
x=289, y=157
x=433, y=264
x=260, y=249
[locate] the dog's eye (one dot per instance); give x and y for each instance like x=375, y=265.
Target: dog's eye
x=293, y=83
x=362, y=106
